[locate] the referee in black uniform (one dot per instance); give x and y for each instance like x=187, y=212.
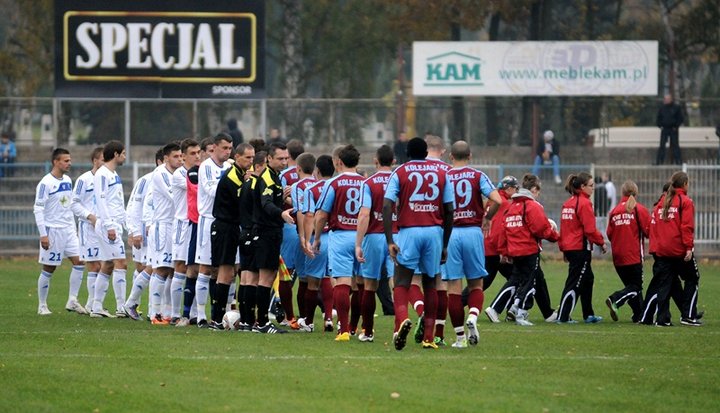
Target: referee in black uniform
x=269, y=217
x=225, y=230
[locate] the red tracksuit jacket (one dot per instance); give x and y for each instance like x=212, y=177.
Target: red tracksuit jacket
x=577, y=224
x=524, y=226
x=674, y=237
x=626, y=232
x=491, y=237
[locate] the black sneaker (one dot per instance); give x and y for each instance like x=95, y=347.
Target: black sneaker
x=690, y=322
x=214, y=325
x=202, y=324
x=278, y=310
x=269, y=328
x=664, y=324
x=174, y=321
x=400, y=338
x=699, y=315
x=193, y=321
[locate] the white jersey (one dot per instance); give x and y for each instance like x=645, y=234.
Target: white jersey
x=163, y=202
x=135, y=205
x=209, y=175
x=109, y=199
x=83, y=198
x=53, y=199
x=148, y=207
x=179, y=190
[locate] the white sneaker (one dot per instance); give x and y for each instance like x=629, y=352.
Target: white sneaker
x=553, y=317
x=183, y=322
x=521, y=318
x=512, y=313
x=120, y=313
x=366, y=338
x=44, y=310
x=558, y=180
x=308, y=328
x=492, y=315
x=88, y=308
x=473, y=333
x=73, y=305
x=101, y=314
x=460, y=343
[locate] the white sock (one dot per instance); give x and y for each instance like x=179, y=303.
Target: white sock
x=166, y=303
x=157, y=285
x=43, y=287
x=460, y=332
x=119, y=287
x=101, y=286
x=90, y=283
x=176, y=293
x=133, y=280
x=202, y=289
x=439, y=322
x=418, y=303
x=231, y=296
x=141, y=283
x=76, y=276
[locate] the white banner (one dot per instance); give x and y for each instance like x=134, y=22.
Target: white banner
x=535, y=68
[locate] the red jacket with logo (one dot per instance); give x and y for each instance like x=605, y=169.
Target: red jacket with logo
x=524, y=227
x=492, y=234
x=627, y=232
x=674, y=237
x=577, y=224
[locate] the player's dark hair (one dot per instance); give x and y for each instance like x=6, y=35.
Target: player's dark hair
x=417, y=148
x=169, y=148
x=575, y=182
x=187, y=143
x=111, y=148
x=295, y=148
x=96, y=153
x=260, y=158
x=258, y=144
x=159, y=155
x=677, y=181
x=306, y=163
x=205, y=142
x=222, y=136
x=385, y=155
x=349, y=156
x=58, y=152
x=324, y=165
x=531, y=181
x=276, y=146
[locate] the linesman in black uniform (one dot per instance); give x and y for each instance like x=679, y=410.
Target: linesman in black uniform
x=225, y=233
x=247, y=292
x=269, y=216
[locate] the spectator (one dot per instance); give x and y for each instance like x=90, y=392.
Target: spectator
x=8, y=153
x=275, y=137
x=234, y=132
x=605, y=195
x=669, y=119
x=548, y=152
x=400, y=149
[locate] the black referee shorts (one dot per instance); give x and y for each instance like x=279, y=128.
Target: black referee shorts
x=248, y=239
x=267, y=248
x=225, y=240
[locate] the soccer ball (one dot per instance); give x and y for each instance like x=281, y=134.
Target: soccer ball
x=231, y=320
x=553, y=224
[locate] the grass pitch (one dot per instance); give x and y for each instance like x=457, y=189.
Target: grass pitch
x=67, y=362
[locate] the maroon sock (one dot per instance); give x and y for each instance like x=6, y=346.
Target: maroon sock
x=286, y=296
x=355, y=307
x=457, y=311
x=476, y=299
x=400, y=304
x=368, y=311
x=310, y=301
x=326, y=293
x=441, y=313
x=415, y=295
x=300, y=297
x=341, y=298
x=431, y=304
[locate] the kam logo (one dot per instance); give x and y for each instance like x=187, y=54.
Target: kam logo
x=453, y=69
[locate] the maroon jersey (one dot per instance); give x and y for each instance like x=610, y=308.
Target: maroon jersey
x=373, y=193
x=419, y=189
x=312, y=197
x=341, y=200
x=288, y=177
x=469, y=185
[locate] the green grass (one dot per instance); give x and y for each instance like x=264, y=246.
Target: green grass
x=67, y=362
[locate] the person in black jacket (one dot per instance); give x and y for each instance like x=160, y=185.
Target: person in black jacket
x=548, y=151
x=669, y=119
x=269, y=216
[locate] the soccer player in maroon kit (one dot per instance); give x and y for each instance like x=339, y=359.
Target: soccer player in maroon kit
x=628, y=226
x=578, y=233
x=425, y=203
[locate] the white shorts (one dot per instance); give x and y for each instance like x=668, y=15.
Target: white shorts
x=160, y=245
x=180, y=239
x=140, y=254
x=89, y=242
x=203, y=252
x=63, y=243
x=110, y=250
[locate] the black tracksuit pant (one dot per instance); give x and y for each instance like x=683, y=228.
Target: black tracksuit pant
x=632, y=278
x=578, y=286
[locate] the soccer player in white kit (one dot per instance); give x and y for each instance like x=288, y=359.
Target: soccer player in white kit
x=110, y=204
x=83, y=206
x=56, y=225
x=209, y=175
x=160, y=241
